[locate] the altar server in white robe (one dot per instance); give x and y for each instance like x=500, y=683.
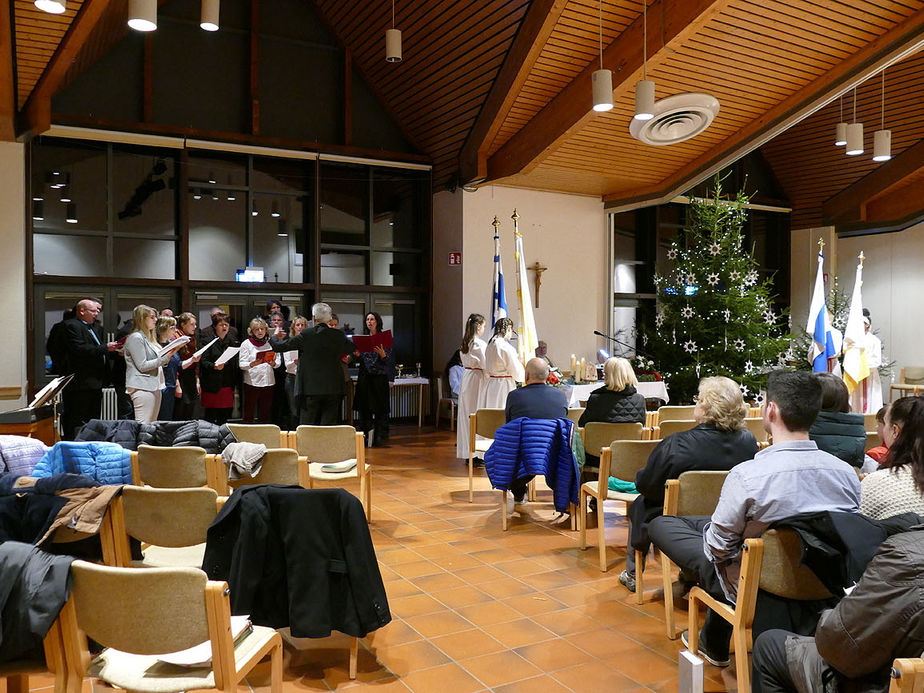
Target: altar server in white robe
x=867, y=396
x=503, y=369
x=472, y=356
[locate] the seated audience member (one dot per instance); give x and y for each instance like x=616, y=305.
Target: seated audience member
x=897, y=488
x=535, y=400
x=878, y=453
x=454, y=371
x=617, y=401
x=837, y=430
x=718, y=442
x=790, y=477
x=856, y=642
x=542, y=352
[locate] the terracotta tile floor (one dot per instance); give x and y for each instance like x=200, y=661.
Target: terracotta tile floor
x=477, y=609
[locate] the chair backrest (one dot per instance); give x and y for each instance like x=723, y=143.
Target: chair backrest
x=142, y=612
x=328, y=443
x=267, y=434
x=598, y=434
x=623, y=459
x=913, y=375
x=675, y=413
x=487, y=421
x=781, y=573
x=872, y=440
x=177, y=467
x=280, y=466
x=574, y=413
x=694, y=493
x=168, y=516
x=675, y=426
x=870, y=423
x=756, y=427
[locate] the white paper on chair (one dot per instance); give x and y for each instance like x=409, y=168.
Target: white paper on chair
x=229, y=354
x=201, y=655
x=203, y=349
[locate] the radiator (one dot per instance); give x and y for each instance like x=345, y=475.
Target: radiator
x=110, y=405
x=404, y=402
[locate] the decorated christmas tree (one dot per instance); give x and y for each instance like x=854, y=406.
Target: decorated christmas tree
x=714, y=315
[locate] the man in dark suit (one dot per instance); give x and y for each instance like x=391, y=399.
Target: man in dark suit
x=535, y=400
x=82, y=398
x=319, y=379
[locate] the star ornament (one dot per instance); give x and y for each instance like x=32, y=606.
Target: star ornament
x=713, y=279
x=715, y=248
x=751, y=278
x=687, y=312
x=739, y=345
x=769, y=317
x=735, y=275
x=744, y=390
x=748, y=367
x=690, y=346
x=672, y=254
x=659, y=319
x=727, y=314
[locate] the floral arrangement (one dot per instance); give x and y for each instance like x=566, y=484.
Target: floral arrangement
x=644, y=370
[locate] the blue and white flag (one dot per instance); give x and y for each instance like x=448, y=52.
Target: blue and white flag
x=819, y=325
x=499, y=297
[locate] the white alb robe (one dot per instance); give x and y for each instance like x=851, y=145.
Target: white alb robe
x=469, y=392
x=503, y=371
x=867, y=396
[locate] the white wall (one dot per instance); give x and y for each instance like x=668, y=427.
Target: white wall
x=567, y=234
x=893, y=290
x=448, y=320
x=12, y=271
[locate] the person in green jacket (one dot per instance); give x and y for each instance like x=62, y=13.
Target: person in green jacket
x=837, y=430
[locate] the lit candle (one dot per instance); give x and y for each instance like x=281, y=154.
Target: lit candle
x=583, y=370
x=573, y=372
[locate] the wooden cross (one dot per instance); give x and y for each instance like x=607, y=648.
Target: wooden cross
x=538, y=269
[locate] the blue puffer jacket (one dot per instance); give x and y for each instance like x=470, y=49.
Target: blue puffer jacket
x=107, y=463
x=535, y=446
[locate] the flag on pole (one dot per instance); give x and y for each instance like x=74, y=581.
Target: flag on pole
x=856, y=368
x=819, y=325
x=498, y=296
x=527, y=341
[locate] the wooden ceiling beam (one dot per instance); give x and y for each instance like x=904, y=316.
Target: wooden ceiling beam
x=531, y=37
x=35, y=116
x=848, y=205
x=571, y=109
x=7, y=86
x=902, y=40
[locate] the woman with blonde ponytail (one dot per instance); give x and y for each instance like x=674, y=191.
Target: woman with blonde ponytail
x=472, y=355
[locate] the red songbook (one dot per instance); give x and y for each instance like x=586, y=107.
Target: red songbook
x=267, y=356
x=367, y=342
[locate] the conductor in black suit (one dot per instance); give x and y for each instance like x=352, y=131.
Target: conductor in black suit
x=319, y=378
x=82, y=398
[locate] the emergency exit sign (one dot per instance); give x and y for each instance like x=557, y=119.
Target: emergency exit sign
x=455, y=259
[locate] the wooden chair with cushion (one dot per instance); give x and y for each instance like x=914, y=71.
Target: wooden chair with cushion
x=328, y=445
x=171, y=524
x=694, y=493
x=136, y=614
x=268, y=434
x=17, y=671
x=574, y=413
x=756, y=427
x=675, y=413
x=176, y=467
x=911, y=382
x=872, y=440
x=667, y=428
x=280, y=466
x=484, y=422
x=621, y=459
x=770, y=563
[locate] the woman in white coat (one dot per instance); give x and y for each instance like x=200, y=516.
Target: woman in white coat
x=472, y=356
x=867, y=396
x=144, y=376
x=503, y=369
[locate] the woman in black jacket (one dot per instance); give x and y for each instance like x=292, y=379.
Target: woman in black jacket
x=717, y=443
x=837, y=430
x=218, y=381
x=618, y=401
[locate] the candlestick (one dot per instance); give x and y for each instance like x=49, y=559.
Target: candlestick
x=573, y=372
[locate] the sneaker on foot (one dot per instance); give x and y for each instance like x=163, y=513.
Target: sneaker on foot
x=628, y=579
x=711, y=657
x=521, y=500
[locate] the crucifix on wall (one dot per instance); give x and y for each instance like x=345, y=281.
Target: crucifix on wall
x=538, y=269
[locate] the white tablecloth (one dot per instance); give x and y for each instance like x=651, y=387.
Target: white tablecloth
x=656, y=389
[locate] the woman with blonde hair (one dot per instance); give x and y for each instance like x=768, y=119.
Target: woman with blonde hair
x=618, y=401
x=144, y=377
x=257, y=359
x=471, y=353
x=718, y=442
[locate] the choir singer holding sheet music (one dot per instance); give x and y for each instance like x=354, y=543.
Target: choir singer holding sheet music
x=376, y=374
x=144, y=361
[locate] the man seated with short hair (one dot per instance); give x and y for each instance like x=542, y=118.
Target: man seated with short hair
x=535, y=400
x=790, y=477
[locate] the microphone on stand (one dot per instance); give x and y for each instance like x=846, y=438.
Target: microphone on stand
x=623, y=344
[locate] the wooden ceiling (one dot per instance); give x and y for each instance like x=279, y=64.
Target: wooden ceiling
x=499, y=90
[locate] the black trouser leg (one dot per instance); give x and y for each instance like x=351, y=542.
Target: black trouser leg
x=769, y=670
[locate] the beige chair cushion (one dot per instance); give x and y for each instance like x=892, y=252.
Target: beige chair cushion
x=622, y=496
x=316, y=472
x=165, y=557
x=146, y=673
x=482, y=444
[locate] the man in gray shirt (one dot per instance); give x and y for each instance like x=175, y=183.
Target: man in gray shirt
x=790, y=477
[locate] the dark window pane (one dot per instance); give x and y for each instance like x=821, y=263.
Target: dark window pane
x=223, y=169
x=143, y=195
x=275, y=238
x=284, y=175
x=396, y=269
x=339, y=267
x=217, y=236
x=396, y=208
x=73, y=175
x=344, y=204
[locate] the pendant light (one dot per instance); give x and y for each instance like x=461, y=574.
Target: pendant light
x=208, y=16
x=71, y=215
x=644, y=88
x=854, y=131
x=65, y=196
x=882, y=138
x=50, y=6
x=602, y=80
x=38, y=210
x=281, y=230
x=253, y=209
x=275, y=208
x=840, y=132
x=393, y=40
x=197, y=194
x=142, y=15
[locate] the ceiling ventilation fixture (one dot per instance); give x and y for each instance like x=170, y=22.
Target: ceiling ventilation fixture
x=840, y=132
x=208, y=17
x=602, y=80
x=882, y=138
x=644, y=89
x=50, y=6
x=393, y=40
x=676, y=118
x=854, y=131
x=142, y=15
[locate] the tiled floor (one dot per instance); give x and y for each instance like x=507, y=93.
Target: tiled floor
x=475, y=608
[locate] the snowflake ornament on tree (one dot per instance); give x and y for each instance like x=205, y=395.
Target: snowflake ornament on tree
x=715, y=248
x=672, y=253
x=748, y=367
x=739, y=345
x=659, y=319
x=744, y=390
x=734, y=275
x=751, y=278
x=727, y=315
x=689, y=346
x=713, y=279
x=687, y=313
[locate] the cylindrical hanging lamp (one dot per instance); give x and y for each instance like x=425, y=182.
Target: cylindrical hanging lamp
x=854, y=139
x=38, y=210
x=281, y=230
x=71, y=215
x=603, y=90
x=253, y=209
x=142, y=15
x=882, y=145
x=644, y=99
x=393, y=45
x=275, y=210
x=50, y=6
x=840, y=135
x=208, y=17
